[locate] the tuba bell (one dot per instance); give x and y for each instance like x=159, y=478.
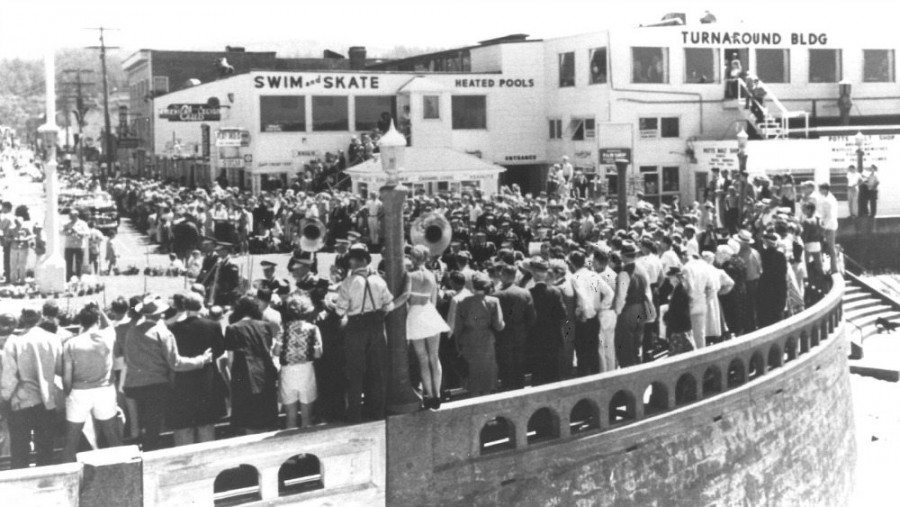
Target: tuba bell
x=431, y=230
x=312, y=235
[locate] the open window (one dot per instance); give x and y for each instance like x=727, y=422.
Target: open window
x=582, y=129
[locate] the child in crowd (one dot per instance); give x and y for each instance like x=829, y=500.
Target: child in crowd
x=112, y=254
x=299, y=346
x=176, y=265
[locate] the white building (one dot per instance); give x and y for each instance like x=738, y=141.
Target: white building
x=657, y=92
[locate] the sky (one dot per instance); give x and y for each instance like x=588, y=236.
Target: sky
x=27, y=26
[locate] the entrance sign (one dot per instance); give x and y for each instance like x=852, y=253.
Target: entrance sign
x=608, y=156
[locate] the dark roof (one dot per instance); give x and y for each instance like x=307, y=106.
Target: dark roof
x=516, y=37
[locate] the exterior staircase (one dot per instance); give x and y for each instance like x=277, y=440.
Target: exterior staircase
x=775, y=117
x=873, y=353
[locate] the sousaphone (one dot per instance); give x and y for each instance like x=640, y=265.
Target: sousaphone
x=431, y=230
x=312, y=235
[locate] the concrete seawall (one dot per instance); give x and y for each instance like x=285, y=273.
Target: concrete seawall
x=765, y=419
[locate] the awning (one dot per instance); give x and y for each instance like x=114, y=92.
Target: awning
x=429, y=164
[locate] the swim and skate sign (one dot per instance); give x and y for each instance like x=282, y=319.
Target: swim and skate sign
x=736, y=38
x=328, y=82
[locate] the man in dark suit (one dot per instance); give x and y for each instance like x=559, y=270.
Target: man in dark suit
x=518, y=313
x=772, y=282
x=185, y=237
x=545, y=339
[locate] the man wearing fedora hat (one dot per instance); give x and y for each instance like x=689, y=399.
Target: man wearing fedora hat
x=363, y=300
x=633, y=307
x=772, y=281
x=151, y=357
x=545, y=338
x=31, y=361
x=753, y=263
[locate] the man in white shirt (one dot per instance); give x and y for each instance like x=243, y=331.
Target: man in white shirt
x=826, y=208
x=606, y=313
x=651, y=264
x=698, y=276
x=587, y=325
x=567, y=170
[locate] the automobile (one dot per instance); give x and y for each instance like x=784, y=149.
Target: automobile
x=99, y=208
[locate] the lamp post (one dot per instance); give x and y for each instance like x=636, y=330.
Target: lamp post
x=845, y=103
x=860, y=140
x=742, y=171
x=401, y=398
x=621, y=190
x=51, y=270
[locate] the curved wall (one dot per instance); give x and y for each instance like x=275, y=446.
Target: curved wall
x=784, y=437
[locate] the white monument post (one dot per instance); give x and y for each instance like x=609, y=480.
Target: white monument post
x=50, y=273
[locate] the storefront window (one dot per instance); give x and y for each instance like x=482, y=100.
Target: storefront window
x=773, y=65
x=330, y=113
x=598, y=65
x=825, y=65
x=701, y=65
x=282, y=113
x=469, y=112
x=670, y=177
x=368, y=111
x=566, y=69
x=878, y=65
x=431, y=107
x=650, y=65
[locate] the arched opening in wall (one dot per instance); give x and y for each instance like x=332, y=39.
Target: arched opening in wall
x=804, y=342
x=656, y=399
x=497, y=435
x=299, y=474
x=236, y=486
x=790, y=349
x=712, y=381
x=685, y=389
x=736, y=373
x=542, y=425
x=757, y=366
x=775, y=356
x=585, y=416
x=621, y=407
x=826, y=329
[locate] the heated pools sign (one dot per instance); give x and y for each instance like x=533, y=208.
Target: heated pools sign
x=190, y=112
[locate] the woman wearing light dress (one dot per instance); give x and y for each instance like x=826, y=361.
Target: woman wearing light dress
x=424, y=325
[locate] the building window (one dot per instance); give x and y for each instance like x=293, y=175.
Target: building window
x=329, y=113
x=670, y=179
x=655, y=128
x=469, y=112
x=161, y=84
x=650, y=65
x=773, y=65
x=431, y=107
x=598, y=65
x=368, y=111
x=282, y=113
x=668, y=127
x=878, y=65
x=701, y=65
x=825, y=66
x=582, y=128
x=555, y=129
x=566, y=69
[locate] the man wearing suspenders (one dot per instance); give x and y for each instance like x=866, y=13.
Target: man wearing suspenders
x=363, y=300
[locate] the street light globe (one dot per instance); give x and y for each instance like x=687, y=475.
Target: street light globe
x=742, y=139
x=860, y=139
x=392, y=147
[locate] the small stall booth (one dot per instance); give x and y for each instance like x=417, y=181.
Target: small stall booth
x=432, y=170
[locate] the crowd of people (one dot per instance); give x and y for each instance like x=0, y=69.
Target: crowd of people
x=532, y=289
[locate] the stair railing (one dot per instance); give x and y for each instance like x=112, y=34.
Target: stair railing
x=785, y=115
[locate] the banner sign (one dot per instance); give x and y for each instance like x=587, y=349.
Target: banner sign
x=608, y=156
x=190, y=112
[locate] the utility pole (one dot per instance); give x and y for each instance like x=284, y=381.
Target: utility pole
x=107, y=135
x=80, y=110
